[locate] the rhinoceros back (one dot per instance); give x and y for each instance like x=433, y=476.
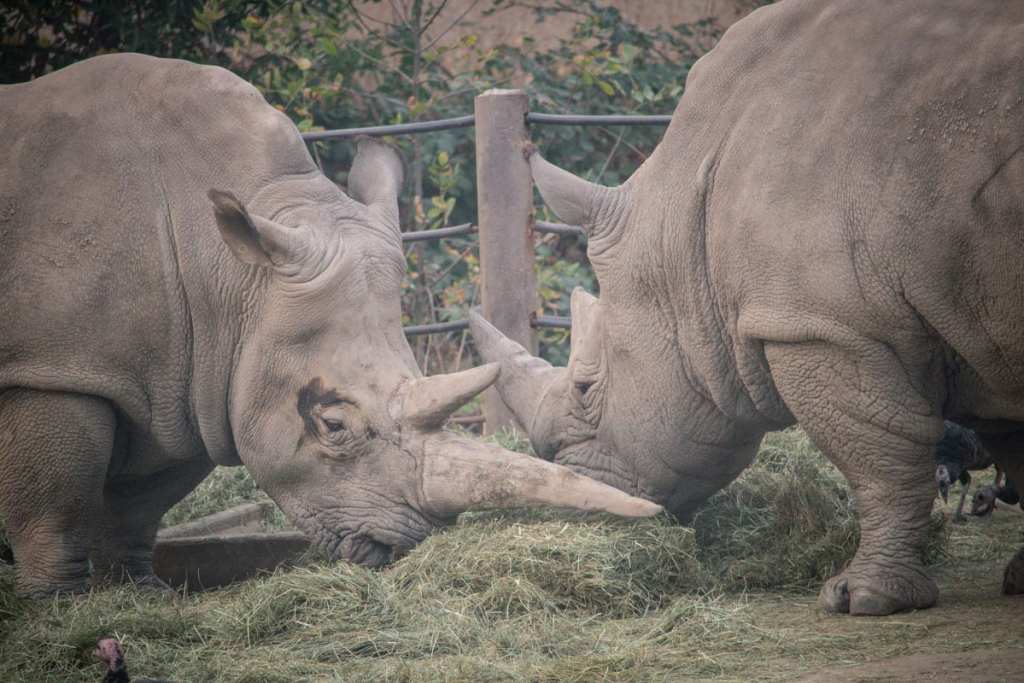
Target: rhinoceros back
x=109, y=253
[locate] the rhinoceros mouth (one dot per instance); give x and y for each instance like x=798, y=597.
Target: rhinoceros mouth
x=356, y=547
x=361, y=545
x=365, y=551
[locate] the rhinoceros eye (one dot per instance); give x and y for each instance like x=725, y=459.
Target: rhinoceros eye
x=333, y=419
x=583, y=387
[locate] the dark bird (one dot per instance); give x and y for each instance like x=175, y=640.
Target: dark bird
x=109, y=651
x=984, y=501
x=959, y=452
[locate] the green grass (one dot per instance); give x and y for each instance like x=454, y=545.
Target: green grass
x=542, y=596
x=225, y=487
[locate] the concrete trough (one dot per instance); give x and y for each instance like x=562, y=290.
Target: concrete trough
x=236, y=520
x=225, y=547
x=204, y=562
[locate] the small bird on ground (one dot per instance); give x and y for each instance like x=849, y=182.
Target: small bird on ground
x=984, y=501
x=959, y=452
x=109, y=651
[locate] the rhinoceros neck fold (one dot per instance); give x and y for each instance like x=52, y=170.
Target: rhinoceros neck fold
x=221, y=299
x=680, y=241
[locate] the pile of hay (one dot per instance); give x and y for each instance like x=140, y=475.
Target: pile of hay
x=501, y=596
x=789, y=521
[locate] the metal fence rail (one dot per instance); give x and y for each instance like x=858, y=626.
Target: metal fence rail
x=393, y=129
x=435, y=328
x=561, y=322
x=462, y=230
x=468, y=121
x=559, y=229
x=598, y=119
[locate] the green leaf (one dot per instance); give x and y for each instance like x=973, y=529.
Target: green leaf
x=606, y=88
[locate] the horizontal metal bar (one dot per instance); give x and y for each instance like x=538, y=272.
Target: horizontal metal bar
x=557, y=321
x=559, y=229
x=598, y=119
x=549, y=321
x=395, y=129
x=440, y=233
x=435, y=328
x=467, y=419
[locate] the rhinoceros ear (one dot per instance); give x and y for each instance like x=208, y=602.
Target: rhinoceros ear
x=254, y=239
x=376, y=177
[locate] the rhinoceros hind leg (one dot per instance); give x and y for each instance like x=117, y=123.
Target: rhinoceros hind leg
x=54, y=452
x=123, y=550
x=860, y=410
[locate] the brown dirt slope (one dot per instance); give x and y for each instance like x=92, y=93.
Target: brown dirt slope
x=980, y=666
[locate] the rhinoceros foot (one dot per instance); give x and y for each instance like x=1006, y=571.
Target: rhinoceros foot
x=877, y=592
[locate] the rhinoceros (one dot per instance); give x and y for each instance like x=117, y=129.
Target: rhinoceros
x=181, y=287
x=830, y=233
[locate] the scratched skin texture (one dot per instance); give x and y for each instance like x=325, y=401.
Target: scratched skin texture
x=831, y=233
x=181, y=288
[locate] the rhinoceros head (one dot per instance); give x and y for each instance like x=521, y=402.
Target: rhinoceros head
x=626, y=410
x=328, y=408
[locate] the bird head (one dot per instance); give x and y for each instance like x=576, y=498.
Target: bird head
x=943, y=481
x=984, y=501
x=109, y=651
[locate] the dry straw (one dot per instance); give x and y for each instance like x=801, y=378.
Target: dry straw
x=513, y=596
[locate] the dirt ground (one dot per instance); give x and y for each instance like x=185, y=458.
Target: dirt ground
x=980, y=666
x=974, y=633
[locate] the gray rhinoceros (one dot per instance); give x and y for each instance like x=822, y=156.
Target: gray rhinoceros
x=149, y=333
x=830, y=233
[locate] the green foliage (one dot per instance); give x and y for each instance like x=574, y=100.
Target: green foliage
x=43, y=35
x=608, y=66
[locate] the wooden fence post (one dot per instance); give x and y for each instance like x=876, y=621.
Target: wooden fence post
x=504, y=191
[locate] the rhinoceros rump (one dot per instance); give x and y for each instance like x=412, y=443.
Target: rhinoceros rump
x=831, y=232
x=139, y=348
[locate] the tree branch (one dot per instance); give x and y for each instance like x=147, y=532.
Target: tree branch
x=452, y=25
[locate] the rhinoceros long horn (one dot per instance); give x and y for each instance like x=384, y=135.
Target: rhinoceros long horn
x=573, y=199
x=429, y=401
x=460, y=475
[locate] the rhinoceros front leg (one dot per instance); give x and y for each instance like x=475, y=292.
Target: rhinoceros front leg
x=860, y=409
x=123, y=550
x=54, y=451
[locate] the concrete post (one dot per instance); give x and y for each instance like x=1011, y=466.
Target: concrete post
x=505, y=213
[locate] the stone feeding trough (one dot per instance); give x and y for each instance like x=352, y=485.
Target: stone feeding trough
x=225, y=547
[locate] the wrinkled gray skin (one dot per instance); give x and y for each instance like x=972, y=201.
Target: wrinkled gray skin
x=180, y=288
x=830, y=234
